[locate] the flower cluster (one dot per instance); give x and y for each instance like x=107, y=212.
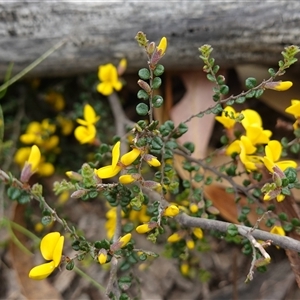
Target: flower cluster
x=41, y=135
x=118, y=163
x=86, y=132
x=51, y=249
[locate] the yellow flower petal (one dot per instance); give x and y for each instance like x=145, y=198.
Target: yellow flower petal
x=102, y=258
x=162, y=46
x=126, y=179
x=225, y=120
x=294, y=109
x=34, y=157
x=171, y=211
x=48, y=244
x=279, y=86
x=57, y=253
x=89, y=114
x=125, y=239
x=175, y=237
x=116, y=154
x=108, y=171
x=105, y=88
x=128, y=158
x=85, y=134
x=251, y=117
x=42, y=271
x=198, y=233
x=277, y=230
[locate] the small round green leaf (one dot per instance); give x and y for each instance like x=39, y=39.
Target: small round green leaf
x=144, y=74
x=142, y=109
x=156, y=83
x=159, y=70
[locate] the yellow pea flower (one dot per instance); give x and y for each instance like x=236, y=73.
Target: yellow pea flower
x=225, y=118
x=89, y=115
x=31, y=165
x=175, y=237
x=85, y=134
x=127, y=179
x=151, y=160
x=273, y=153
x=294, y=109
x=198, y=233
x=162, y=46
x=171, y=211
x=108, y=76
x=102, y=257
x=113, y=169
x=56, y=100
x=125, y=239
x=279, y=86
x=144, y=228
x=51, y=249
x=277, y=230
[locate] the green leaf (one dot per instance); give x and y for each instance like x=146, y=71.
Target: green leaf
x=272, y=72
x=156, y=83
x=240, y=100
x=144, y=74
x=283, y=216
x=259, y=93
x=142, y=95
x=250, y=83
x=288, y=227
x=13, y=193
x=159, y=70
x=295, y=148
x=224, y=89
x=157, y=143
x=291, y=174
x=157, y=101
x=142, y=109
x=70, y=265
x=211, y=78
x=6, y=78
x=232, y=230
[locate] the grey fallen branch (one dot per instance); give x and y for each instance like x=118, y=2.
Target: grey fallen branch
x=278, y=240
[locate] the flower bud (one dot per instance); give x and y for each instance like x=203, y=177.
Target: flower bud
x=162, y=46
x=151, y=160
x=198, y=233
x=144, y=228
x=74, y=175
x=102, y=256
x=78, y=194
x=278, y=85
x=122, y=66
x=144, y=85
x=31, y=164
x=128, y=178
x=175, y=237
x=151, y=48
x=171, y=211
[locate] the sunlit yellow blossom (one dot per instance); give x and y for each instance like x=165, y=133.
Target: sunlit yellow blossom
x=102, y=257
x=162, y=46
x=190, y=244
x=251, y=117
x=66, y=125
x=85, y=134
x=194, y=207
x=109, y=80
x=273, y=153
x=125, y=239
x=151, y=160
x=198, y=233
x=56, y=100
x=122, y=66
x=113, y=169
x=144, y=228
x=279, y=86
x=250, y=161
x=89, y=116
x=51, y=249
x=31, y=165
x=175, y=237
x=225, y=119
x=277, y=230
x=294, y=109
x=184, y=268
x=171, y=211
x=126, y=179
x=34, y=158
x=258, y=135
